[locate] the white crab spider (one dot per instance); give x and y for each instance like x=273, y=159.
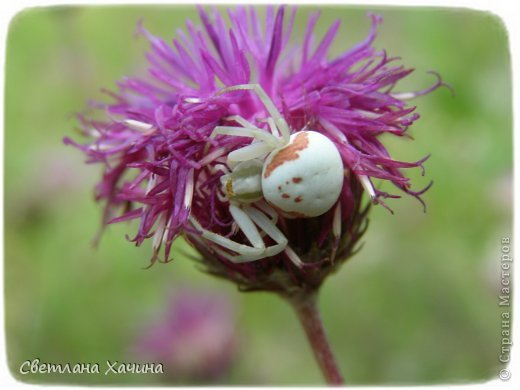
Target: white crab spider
x=299, y=175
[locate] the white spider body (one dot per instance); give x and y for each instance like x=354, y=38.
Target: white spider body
x=299, y=175
x=305, y=177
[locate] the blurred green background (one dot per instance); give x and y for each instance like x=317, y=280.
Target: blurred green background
x=417, y=305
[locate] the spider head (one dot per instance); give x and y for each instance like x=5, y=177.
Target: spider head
x=244, y=183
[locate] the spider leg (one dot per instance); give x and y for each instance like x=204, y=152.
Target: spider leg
x=240, y=120
x=247, y=226
x=246, y=124
x=244, y=250
x=247, y=130
x=272, y=126
x=268, y=210
x=253, y=132
x=279, y=120
x=291, y=254
x=266, y=225
x=254, y=216
x=246, y=219
x=249, y=152
x=272, y=231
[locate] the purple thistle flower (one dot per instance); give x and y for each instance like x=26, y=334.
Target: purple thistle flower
x=164, y=165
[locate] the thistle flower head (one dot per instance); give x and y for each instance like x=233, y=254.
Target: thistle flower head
x=166, y=165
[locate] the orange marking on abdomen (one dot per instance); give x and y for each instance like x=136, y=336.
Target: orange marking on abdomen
x=289, y=153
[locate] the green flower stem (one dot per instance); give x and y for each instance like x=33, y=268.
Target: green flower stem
x=307, y=310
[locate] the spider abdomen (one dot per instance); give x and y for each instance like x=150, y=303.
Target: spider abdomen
x=305, y=177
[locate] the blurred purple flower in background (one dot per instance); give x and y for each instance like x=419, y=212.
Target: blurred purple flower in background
x=195, y=338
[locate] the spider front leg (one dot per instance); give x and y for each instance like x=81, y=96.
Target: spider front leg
x=267, y=141
x=279, y=120
x=240, y=120
x=268, y=227
x=244, y=250
x=248, y=132
x=246, y=218
x=249, y=152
